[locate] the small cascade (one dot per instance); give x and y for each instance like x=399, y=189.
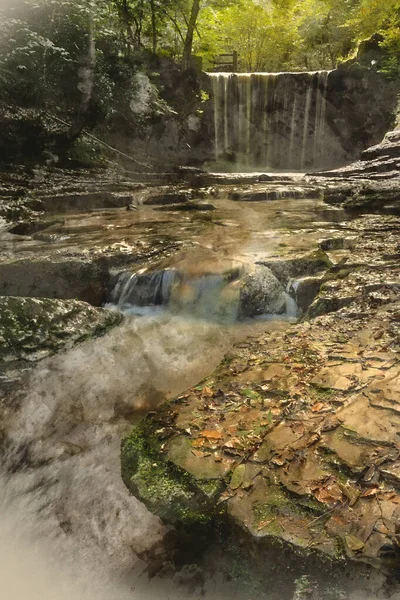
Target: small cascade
x=270, y=121
x=143, y=289
x=211, y=296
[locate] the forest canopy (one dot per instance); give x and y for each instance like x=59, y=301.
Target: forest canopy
x=96, y=62
x=268, y=35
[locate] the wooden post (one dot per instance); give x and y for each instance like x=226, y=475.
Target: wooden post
x=235, y=61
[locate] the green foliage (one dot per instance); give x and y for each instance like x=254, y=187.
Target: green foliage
x=72, y=59
x=297, y=34
x=391, y=63
x=91, y=63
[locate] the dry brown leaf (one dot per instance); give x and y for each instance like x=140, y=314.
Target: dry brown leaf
x=354, y=543
x=198, y=454
x=330, y=494
x=263, y=524
x=198, y=443
x=211, y=434
x=318, y=407
x=312, y=439
x=278, y=461
x=207, y=392
x=370, y=492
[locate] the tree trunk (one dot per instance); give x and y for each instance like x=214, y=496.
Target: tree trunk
x=87, y=83
x=153, y=26
x=187, y=50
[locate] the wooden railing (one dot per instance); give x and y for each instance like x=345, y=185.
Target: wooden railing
x=226, y=62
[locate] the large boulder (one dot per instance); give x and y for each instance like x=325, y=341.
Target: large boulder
x=33, y=328
x=261, y=293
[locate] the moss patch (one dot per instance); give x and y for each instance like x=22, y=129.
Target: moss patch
x=167, y=490
x=32, y=328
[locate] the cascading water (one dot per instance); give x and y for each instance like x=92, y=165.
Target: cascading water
x=143, y=289
x=224, y=297
x=270, y=120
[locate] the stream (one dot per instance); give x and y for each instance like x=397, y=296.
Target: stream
x=65, y=510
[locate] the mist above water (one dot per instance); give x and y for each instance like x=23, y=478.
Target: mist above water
x=66, y=515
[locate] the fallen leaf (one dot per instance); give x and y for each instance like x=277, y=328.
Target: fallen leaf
x=263, y=524
x=198, y=443
x=318, y=407
x=198, y=454
x=354, y=543
x=370, y=492
x=207, y=391
x=232, y=443
x=226, y=496
x=312, y=439
x=211, y=434
x=278, y=461
x=330, y=494
x=248, y=393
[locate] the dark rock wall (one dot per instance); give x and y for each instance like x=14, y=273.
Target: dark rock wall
x=298, y=121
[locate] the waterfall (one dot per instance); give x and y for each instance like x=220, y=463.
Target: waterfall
x=143, y=289
x=224, y=296
x=270, y=121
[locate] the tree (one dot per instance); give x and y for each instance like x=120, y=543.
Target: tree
x=187, y=48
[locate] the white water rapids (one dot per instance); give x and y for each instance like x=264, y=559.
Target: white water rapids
x=66, y=516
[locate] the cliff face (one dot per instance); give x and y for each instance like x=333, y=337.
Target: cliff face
x=280, y=121
x=298, y=121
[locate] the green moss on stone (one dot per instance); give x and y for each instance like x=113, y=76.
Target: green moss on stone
x=167, y=490
x=32, y=327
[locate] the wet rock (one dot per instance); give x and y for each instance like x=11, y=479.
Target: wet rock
x=261, y=293
x=309, y=453
x=32, y=227
x=70, y=202
x=275, y=192
x=305, y=290
x=336, y=243
x=299, y=427
x=306, y=265
x=33, y=328
x=144, y=289
x=191, y=577
x=168, y=198
x=327, y=304
x=370, y=198
x=188, y=206
x=166, y=488
x=63, y=279
x=51, y=238
x=372, y=183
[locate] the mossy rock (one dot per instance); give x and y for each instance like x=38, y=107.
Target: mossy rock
x=31, y=328
x=167, y=490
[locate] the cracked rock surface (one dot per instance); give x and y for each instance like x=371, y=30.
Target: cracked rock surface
x=295, y=434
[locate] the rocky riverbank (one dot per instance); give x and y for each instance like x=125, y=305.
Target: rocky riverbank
x=290, y=445
x=294, y=437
